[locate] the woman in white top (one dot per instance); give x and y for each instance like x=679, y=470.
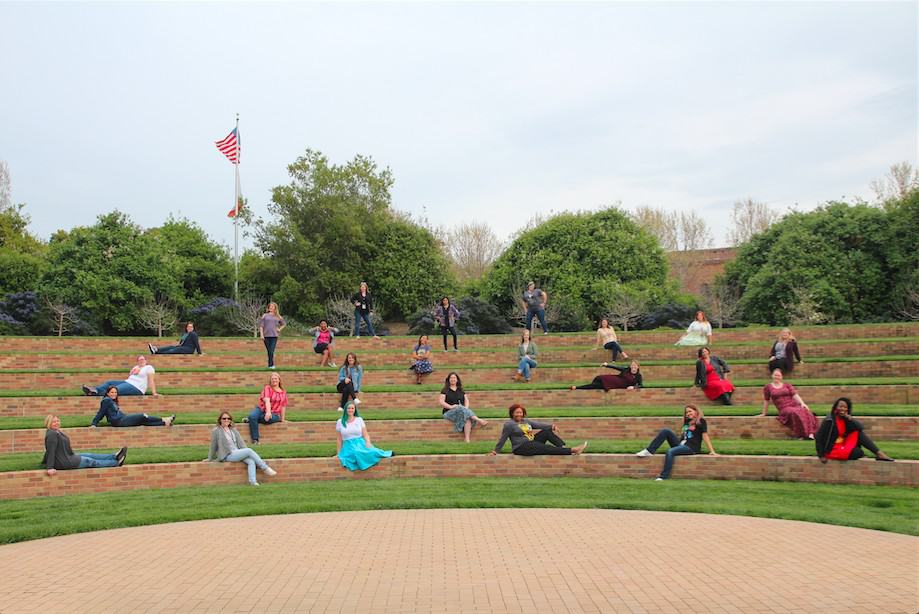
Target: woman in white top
x=354, y=448
x=607, y=339
x=227, y=445
x=698, y=333
x=139, y=380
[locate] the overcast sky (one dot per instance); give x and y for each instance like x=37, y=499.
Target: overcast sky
x=487, y=111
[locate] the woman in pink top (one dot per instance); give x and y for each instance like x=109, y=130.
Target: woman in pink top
x=272, y=406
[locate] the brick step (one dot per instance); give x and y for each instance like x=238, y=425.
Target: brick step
x=763, y=334
x=255, y=357
x=28, y=484
x=724, y=427
x=901, y=394
x=498, y=375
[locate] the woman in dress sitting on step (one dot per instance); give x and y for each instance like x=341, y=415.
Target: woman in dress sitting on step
x=227, y=446
x=421, y=359
x=794, y=414
x=842, y=438
x=455, y=405
x=355, y=451
x=698, y=333
x=711, y=377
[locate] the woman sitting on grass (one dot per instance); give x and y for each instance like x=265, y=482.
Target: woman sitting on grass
x=455, y=405
x=794, y=414
x=841, y=438
x=227, y=446
x=354, y=448
x=272, y=406
x=60, y=456
x=188, y=344
x=607, y=339
x=693, y=433
x=526, y=442
x=628, y=378
x=141, y=377
x=349, y=380
x=421, y=359
x=711, y=377
x=109, y=410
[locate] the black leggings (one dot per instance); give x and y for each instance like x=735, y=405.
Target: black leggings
x=448, y=329
x=863, y=441
x=596, y=384
x=347, y=392
x=538, y=446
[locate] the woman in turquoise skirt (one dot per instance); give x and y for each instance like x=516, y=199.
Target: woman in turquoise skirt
x=354, y=448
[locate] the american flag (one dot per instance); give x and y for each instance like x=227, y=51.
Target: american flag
x=229, y=146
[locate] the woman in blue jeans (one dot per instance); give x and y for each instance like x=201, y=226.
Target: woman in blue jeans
x=60, y=456
x=693, y=433
x=227, y=446
x=526, y=357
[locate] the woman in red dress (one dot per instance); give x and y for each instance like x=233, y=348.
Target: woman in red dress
x=794, y=413
x=841, y=438
x=711, y=377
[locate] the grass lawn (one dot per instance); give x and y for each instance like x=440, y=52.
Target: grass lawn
x=370, y=413
x=903, y=450
x=872, y=507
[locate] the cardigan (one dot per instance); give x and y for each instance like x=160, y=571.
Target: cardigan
x=791, y=349
x=446, y=318
x=58, y=453
x=718, y=365
x=220, y=447
x=530, y=351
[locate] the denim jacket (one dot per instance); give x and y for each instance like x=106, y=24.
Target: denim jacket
x=355, y=373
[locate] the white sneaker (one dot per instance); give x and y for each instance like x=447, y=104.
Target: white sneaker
x=270, y=472
x=658, y=479
x=333, y=365
x=253, y=483
x=644, y=453
x=357, y=401
x=341, y=410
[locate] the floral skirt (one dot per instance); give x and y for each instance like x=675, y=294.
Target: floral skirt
x=422, y=366
x=458, y=416
x=356, y=456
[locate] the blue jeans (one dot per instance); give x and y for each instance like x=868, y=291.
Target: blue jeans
x=613, y=347
x=256, y=417
x=124, y=389
x=526, y=363
x=358, y=316
x=270, y=344
x=97, y=460
x=250, y=457
x=676, y=449
x=539, y=313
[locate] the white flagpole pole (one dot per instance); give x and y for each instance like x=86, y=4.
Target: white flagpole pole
x=236, y=219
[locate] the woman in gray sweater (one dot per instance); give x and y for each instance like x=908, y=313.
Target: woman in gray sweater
x=59, y=455
x=227, y=445
x=525, y=442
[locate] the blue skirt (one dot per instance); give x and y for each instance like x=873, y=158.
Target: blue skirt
x=458, y=416
x=356, y=456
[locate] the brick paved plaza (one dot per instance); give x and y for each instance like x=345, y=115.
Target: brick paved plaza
x=504, y=560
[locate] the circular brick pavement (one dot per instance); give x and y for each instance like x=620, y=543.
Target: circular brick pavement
x=490, y=560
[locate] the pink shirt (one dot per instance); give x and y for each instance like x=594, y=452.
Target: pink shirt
x=278, y=399
x=325, y=336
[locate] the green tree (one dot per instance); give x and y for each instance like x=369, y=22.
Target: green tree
x=332, y=227
x=109, y=270
x=22, y=256
x=579, y=259
x=841, y=257
x=204, y=268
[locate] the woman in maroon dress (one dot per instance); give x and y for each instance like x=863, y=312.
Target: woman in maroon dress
x=711, y=377
x=794, y=413
x=628, y=378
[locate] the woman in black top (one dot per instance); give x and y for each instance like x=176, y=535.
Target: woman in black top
x=363, y=309
x=109, y=410
x=59, y=455
x=188, y=344
x=523, y=440
x=693, y=433
x=455, y=405
x=628, y=378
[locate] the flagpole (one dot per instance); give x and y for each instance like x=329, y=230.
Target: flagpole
x=236, y=219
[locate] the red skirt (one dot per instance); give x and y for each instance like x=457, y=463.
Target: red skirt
x=715, y=386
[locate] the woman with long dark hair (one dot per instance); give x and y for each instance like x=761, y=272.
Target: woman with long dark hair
x=693, y=433
x=446, y=315
x=109, y=410
x=607, y=339
x=454, y=403
x=421, y=359
x=711, y=377
x=349, y=380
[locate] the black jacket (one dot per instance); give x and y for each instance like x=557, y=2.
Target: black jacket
x=366, y=302
x=718, y=365
x=826, y=435
x=792, y=355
